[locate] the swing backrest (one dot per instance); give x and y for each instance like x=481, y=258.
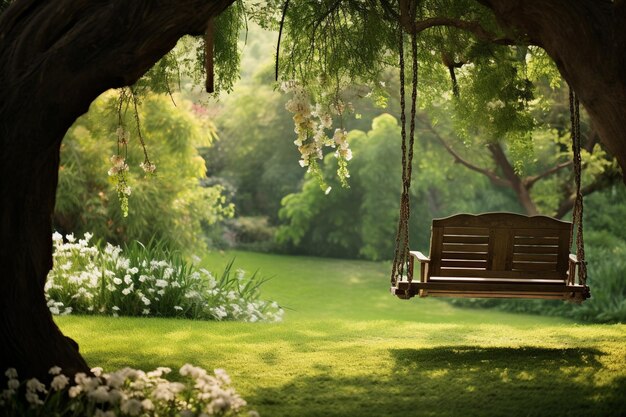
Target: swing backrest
x=500, y=246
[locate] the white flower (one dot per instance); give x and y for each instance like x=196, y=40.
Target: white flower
x=131, y=407
x=147, y=405
x=145, y=311
x=97, y=371
x=70, y=238
x=33, y=398
x=115, y=308
x=127, y=279
x=117, y=281
x=115, y=380
x=55, y=370
x=13, y=384
x=100, y=394
x=148, y=167
x=145, y=301
x=87, y=383
x=59, y=382
x=74, y=391
x=161, y=283
x=178, y=308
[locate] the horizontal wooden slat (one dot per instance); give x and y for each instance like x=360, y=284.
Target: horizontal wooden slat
x=474, y=231
x=464, y=255
x=465, y=239
x=538, y=257
x=536, y=232
x=453, y=272
x=492, y=280
x=492, y=287
x=525, y=240
x=493, y=294
x=463, y=264
x=459, y=247
x=534, y=266
x=535, y=249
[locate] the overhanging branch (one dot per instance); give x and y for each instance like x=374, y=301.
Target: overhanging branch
x=531, y=180
x=493, y=177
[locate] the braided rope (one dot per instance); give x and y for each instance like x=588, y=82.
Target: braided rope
x=577, y=213
x=401, y=254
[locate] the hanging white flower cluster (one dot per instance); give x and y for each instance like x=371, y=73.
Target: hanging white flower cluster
x=311, y=123
x=127, y=392
x=119, y=168
x=119, y=174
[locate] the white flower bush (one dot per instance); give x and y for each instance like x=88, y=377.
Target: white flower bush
x=127, y=392
x=149, y=282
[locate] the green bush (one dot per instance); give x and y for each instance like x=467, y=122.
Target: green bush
x=171, y=199
x=149, y=281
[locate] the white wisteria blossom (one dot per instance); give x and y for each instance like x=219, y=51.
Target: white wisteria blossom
x=311, y=123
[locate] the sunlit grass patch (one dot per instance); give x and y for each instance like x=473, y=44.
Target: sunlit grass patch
x=346, y=351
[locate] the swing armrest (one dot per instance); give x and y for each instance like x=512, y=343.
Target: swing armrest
x=420, y=256
x=573, y=266
x=423, y=260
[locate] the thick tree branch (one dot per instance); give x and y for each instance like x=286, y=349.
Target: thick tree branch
x=468, y=26
x=531, y=180
x=587, y=41
x=493, y=177
x=522, y=192
x=601, y=182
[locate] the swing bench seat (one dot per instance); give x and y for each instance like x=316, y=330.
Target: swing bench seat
x=496, y=255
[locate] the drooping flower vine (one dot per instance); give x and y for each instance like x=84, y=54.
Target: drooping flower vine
x=119, y=171
x=311, y=123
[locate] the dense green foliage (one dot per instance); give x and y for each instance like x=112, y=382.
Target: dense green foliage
x=170, y=200
x=348, y=348
x=360, y=221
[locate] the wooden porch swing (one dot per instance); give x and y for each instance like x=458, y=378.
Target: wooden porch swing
x=491, y=255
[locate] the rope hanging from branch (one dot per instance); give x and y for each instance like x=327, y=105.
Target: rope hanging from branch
x=209, y=50
x=577, y=212
x=401, y=253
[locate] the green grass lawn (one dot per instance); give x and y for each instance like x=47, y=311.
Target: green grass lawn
x=348, y=348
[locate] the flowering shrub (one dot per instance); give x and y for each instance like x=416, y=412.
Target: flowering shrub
x=150, y=281
x=127, y=392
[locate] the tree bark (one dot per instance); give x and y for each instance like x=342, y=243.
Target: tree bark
x=56, y=57
x=587, y=41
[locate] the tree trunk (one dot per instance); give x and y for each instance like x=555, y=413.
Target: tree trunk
x=587, y=41
x=56, y=57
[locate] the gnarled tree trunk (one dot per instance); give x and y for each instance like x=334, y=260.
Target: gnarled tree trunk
x=56, y=57
x=587, y=41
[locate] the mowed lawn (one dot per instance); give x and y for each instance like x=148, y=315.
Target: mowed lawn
x=348, y=348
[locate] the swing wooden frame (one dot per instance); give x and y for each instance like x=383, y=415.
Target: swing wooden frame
x=496, y=255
